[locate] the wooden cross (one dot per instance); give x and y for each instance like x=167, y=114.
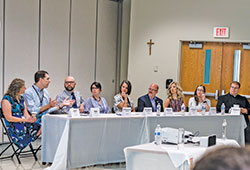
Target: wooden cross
x=150, y=43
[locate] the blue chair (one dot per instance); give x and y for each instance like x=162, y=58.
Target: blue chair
x=16, y=152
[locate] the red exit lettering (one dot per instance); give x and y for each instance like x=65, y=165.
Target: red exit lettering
x=221, y=31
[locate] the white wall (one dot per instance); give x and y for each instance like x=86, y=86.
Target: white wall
x=82, y=51
x=73, y=40
x=54, y=41
x=1, y=49
x=125, y=39
x=21, y=25
x=106, y=48
x=167, y=22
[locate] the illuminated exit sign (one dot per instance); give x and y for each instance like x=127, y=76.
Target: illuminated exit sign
x=221, y=32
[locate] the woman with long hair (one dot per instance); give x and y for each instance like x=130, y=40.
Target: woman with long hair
x=175, y=97
x=199, y=99
x=20, y=124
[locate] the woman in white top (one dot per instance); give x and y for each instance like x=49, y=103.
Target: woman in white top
x=199, y=99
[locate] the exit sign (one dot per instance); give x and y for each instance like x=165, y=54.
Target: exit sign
x=221, y=32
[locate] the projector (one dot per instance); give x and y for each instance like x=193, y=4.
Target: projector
x=170, y=135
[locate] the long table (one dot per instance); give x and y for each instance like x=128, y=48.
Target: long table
x=82, y=141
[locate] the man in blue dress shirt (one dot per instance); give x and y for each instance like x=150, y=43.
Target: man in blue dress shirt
x=37, y=97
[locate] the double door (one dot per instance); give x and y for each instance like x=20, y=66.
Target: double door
x=213, y=65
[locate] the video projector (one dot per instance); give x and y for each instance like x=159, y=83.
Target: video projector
x=170, y=135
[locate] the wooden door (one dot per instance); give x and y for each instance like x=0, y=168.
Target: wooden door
x=228, y=65
x=244, y=73
x=221, y=71
x=192, y=68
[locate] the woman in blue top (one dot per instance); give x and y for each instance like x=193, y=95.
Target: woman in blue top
x=96, y=101
x=20, y=124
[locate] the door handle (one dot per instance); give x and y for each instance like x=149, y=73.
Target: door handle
x=222, y=92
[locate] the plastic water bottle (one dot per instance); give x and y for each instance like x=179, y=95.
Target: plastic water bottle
x=183, y=108
x=203, y=108
x=158, y=135
x=222, y=108
x=158, y=109
x=224, y=129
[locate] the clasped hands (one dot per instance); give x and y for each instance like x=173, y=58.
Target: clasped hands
x=30, y=119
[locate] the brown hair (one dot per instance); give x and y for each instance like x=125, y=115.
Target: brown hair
x=195, y=93
x=225, y=158
x=235, y=82
x=14, y=87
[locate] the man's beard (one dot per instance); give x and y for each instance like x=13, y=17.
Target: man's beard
x=69, y=88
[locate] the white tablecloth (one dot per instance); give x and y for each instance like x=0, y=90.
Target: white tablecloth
x=162, y=157
x=87, y=141
x=100, y=140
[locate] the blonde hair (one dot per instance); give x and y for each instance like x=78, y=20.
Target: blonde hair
x=14, y=88
x=179, y=91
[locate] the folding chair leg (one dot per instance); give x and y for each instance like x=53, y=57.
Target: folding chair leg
x=17, y=156
x=5, y=149
x=39, y=148
x=33, y=152
x=16, y=153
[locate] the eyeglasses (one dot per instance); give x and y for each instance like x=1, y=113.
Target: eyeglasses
x=152, y=89
x=69, y=82
x=234, y=87
x=200, y=90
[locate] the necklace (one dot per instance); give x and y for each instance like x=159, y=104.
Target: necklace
x=97, y=99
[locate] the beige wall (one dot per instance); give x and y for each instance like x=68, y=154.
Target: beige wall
x=167, y=22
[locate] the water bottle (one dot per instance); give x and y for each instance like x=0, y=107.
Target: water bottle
x=158, y=135
x=183, y=108
x=158, y=109
x=222, y=109
x=203, y=108
x=224, y=129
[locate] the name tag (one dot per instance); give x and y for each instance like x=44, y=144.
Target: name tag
x=94, y=112
x=147, y=110
x=126, y=111
x=74, y=112
x=168, y=111
x=235, y=111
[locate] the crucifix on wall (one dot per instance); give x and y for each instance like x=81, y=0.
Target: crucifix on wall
x=150, y=43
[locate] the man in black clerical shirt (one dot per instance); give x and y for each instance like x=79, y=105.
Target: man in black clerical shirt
x=233, y=98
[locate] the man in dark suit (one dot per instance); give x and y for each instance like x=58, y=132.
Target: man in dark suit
x=150, y=99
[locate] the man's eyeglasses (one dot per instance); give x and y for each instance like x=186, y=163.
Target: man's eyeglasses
x=234, y=87
x=152, y=89
x=69, y=82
